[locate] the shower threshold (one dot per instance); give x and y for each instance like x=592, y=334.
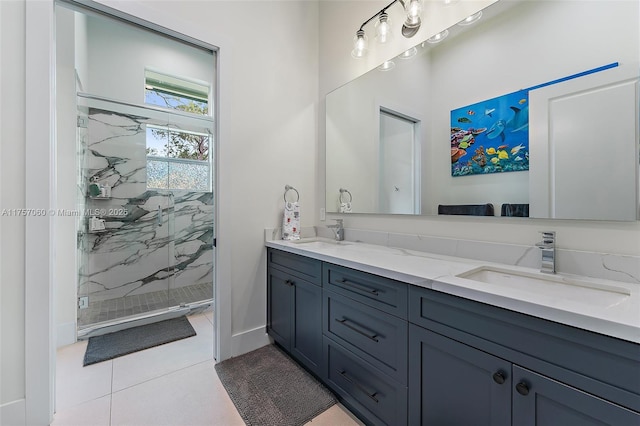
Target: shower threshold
x=143, y=319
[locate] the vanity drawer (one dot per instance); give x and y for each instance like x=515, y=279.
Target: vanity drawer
x=375, y=336
x=300, y=266
x=382, y=293
x=377, y=397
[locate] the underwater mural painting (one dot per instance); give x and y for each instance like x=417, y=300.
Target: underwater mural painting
x=491, y=136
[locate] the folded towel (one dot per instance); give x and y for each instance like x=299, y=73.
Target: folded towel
x=291, y=221
x=345, y=208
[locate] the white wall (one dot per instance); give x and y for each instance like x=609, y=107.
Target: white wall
x=117, y=55
x=271, y=122
x=339, y=20
x=12, y=228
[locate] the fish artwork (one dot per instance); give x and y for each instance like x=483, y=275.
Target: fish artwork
x=516, y=149
x=496, y=141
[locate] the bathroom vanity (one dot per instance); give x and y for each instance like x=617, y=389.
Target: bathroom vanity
x=413, y=338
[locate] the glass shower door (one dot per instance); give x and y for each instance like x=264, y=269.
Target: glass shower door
x=125, y=231
x=144, y=246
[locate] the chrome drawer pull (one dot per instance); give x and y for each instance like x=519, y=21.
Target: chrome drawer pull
x=359, y=386
x=343, y=321
x=359, y=286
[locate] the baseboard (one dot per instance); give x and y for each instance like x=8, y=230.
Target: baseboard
x=248, y=341
x=66, y=334
x=13, y=413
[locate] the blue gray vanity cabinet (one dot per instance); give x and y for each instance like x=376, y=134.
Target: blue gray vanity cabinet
x=538, y=371
x=365, y=332
x=454, y=384
x=294, y=306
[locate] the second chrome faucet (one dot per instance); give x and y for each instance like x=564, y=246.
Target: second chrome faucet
x=548, y=248
x=338, y=229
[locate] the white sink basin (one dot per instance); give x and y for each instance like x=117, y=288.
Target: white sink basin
x=593, y=294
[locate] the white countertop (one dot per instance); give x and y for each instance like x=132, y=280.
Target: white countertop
x=607, y=307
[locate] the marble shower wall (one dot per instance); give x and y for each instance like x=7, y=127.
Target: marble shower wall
x=154, y=239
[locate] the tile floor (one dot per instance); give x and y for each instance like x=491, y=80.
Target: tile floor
x=173, y=384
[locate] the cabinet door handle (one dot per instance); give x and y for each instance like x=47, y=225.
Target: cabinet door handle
x=522, y=388
x=344, y=322
x=290, y=283
x=499, y=377
x=359, y=286
x=359, y=386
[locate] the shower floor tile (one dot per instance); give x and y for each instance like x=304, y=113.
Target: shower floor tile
x=112, y=309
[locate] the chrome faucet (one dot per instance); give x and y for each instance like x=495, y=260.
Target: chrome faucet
x=548, y=247
x=338, y=229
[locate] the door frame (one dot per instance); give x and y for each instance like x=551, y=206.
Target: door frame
x=40, y=238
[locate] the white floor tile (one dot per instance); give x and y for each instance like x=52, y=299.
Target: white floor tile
x=92, y=413
x=192, y=396
x=76, y=384
x=337, y=415
x=139, y=367
x=173, y=384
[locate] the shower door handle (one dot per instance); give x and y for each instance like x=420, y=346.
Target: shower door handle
x=159, y=218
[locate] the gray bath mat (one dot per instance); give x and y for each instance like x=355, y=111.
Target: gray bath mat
x=268, y=388
x=123, y=342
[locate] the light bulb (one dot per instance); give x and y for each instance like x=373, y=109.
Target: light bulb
x=360, y=45
x=413, y=10
x=383, y=29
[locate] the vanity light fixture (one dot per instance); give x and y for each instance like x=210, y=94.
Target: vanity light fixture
x=438, y=37
x=383, y=29
x=470, y=19
x=360, y=44
x=413, y=11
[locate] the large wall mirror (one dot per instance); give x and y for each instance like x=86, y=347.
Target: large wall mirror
x=424, y=135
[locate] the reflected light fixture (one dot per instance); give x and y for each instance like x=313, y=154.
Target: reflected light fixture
x=387, y=66
x=409, y=53
x=438, y=37
x=470, y=19
x=413, y=11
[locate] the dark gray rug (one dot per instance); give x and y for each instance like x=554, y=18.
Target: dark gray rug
x=123, y=342
x=268, y=388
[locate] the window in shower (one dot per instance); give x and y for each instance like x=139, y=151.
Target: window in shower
x=178, y=159
x=177, y=93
